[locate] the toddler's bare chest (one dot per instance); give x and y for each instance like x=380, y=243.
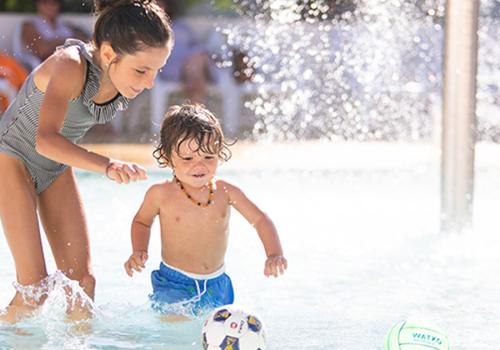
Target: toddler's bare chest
x=190, y=217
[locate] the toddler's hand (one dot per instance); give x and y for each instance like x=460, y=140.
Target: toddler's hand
x=136, y=262
x=124, y=172
x=275, y=265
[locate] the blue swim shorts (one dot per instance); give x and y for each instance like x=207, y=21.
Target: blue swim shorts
x=176, y=291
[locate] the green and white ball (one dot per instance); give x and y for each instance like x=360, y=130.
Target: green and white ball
x=407, y=335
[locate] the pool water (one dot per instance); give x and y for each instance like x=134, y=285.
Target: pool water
x=362, y=238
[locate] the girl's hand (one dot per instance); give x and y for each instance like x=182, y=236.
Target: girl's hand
x=275, y=265
x=124, y=172
x=137, y=262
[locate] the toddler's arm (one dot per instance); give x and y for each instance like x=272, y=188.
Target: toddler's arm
x=276, y=263
x=141, y=230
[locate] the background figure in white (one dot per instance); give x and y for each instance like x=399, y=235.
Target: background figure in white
x=190, y=74
x=37, y=38
x=189, y=63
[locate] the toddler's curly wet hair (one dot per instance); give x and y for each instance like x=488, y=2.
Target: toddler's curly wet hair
x=190, y=122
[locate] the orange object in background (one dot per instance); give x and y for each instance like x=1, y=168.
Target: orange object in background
x=12, y=76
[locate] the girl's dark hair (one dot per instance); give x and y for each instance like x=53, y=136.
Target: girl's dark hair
x=190, y=122
x=131, y=25
x=173, y=8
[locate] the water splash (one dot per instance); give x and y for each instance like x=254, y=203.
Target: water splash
x=59, y=292
x=367, y=70
x=488, y=88
x=49, y=326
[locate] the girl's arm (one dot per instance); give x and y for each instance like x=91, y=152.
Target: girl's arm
x=141, y=230
x=64, y=77
x=276, y=262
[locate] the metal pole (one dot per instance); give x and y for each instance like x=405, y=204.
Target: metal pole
x=459, y=108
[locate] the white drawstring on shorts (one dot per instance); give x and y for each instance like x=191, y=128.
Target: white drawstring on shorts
x=196, y=279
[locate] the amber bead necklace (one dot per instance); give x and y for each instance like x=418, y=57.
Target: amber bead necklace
x=200, y=204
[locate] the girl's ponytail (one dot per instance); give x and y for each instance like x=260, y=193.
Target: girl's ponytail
x=131, y=25
x=104, y=5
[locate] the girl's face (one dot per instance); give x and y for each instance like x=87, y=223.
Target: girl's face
x=131, y=74
x=194, y=168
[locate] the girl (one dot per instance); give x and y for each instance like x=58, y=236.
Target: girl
x=77, y=87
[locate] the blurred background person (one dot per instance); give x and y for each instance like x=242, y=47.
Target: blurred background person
x=189, y=62
x=39, y=36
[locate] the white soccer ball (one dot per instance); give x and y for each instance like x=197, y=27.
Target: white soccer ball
x=231, y=327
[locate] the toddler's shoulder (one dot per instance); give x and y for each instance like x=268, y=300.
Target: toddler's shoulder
x=230, y=188
x=160, y=187
x=223, y=184
x=160, y=190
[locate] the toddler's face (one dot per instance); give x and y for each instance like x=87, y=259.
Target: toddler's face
x=194, y=167
x=131, y=74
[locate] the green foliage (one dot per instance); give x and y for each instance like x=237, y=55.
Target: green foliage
x=16, y=6
x=223, y=5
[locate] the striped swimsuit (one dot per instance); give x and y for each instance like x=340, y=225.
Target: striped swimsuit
x=19, y=124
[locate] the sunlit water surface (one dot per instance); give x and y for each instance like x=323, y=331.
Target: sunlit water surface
x=363, y=245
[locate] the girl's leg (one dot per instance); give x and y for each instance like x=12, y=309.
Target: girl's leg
x=63, y=219
x=21, y=229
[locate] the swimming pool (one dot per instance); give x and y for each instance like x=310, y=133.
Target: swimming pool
x=360, y=227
